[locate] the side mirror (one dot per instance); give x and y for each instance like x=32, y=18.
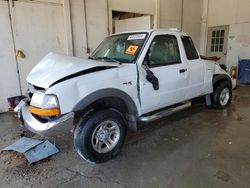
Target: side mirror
x=151, y=77
x=146, y=60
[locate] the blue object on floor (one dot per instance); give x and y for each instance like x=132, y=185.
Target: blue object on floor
x=244, y=71
x=40, y=152
x=33, y=150
x=23, y=145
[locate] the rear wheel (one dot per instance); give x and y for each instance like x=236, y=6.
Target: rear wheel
x=100, y=136
x=222, y=95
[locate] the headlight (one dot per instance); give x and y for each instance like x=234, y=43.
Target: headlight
x=44, y=105
x=50, y=101
x=37, y=100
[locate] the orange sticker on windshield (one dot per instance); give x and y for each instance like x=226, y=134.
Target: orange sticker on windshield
x=131, y=50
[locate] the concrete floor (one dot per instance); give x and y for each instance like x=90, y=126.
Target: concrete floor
x=198, y=147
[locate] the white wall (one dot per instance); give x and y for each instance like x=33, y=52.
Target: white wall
x=136, y=6
x=97, y=22
x=236, y=14
x=97, y=25
x=192, y=19
x=221, y=12
x=78, y=28
x=240, y=46
x=165, y=13
x=170, y=13
x=187, y=19
x=240, y=29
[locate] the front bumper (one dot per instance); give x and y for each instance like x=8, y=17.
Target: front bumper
x=61, y=125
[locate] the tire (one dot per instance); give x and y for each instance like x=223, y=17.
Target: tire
x=100, y=136
x=222, y=96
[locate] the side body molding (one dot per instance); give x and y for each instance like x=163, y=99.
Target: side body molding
x=110, y=92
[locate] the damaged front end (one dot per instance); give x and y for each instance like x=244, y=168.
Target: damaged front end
x=40, y=112
x=40, y=120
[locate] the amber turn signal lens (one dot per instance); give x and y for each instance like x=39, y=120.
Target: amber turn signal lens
x=44, y=112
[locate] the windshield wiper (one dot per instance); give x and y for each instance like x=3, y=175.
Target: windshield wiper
x=122, y=60
x=110, y=59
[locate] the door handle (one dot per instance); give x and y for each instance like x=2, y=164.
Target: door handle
x=182, y=70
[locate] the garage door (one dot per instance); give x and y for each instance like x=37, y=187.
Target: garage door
x=38, y=27
x=9, y=85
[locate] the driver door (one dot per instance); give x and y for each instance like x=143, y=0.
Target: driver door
x=164, y=61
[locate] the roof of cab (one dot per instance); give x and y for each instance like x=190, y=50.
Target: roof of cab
x=160, y=31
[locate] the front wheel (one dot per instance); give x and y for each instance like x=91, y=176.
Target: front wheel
x=100, y=136
x=222, y=95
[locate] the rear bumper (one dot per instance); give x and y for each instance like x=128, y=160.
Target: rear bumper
x=61, y=125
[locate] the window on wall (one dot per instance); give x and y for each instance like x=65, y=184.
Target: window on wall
x=217, y=41
x=164, y=50
x=189, y=47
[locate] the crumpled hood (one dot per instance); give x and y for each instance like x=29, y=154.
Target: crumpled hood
x=54, y=67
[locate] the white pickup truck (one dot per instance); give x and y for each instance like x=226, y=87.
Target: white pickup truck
x=131, y=77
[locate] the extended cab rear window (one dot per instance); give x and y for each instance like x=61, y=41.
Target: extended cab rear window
x=189, y=47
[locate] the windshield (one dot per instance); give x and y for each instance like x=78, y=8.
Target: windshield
x=123, y=48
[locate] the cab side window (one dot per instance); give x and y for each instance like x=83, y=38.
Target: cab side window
x=189, y=47
x=163, y=50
